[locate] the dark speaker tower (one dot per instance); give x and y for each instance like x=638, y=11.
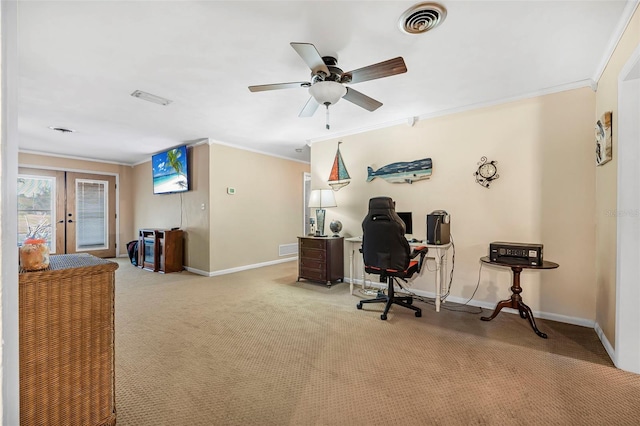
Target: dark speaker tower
x=438, y=228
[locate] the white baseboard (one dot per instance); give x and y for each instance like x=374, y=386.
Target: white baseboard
x=239, y=268
x=197, y=271
x=605, y=342
x=489, y=305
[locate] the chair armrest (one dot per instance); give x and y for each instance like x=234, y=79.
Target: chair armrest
x=422, y=251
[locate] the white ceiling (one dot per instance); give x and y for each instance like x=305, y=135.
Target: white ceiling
x=79, y=61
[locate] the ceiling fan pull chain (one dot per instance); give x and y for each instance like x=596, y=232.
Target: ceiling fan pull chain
x=327, y=104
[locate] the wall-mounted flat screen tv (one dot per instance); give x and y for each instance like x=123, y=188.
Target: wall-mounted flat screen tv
x=170, y=171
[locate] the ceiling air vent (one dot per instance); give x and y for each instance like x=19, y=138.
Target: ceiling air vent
x=61, y=129
x=422, y=17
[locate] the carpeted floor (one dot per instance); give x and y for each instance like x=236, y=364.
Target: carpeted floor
x=259, y=348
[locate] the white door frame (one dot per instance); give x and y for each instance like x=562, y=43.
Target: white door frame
x=306, y=192
x=9, y=366
x=627, y=337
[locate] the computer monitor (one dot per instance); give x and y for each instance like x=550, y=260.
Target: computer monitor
x=408, y=221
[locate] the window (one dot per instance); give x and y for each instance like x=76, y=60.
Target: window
x=91, y=220
x=36, y=209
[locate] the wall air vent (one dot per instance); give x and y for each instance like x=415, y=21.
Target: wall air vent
x=287, y=249
x=422, y=17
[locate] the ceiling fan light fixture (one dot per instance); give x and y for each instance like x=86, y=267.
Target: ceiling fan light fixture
x=327, y=92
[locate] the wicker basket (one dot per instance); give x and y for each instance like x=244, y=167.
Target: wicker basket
x=66, y=326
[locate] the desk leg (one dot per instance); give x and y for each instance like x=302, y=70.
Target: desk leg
x=438, y=283
x=444, y=280
x=441, y=275
x=351, y=270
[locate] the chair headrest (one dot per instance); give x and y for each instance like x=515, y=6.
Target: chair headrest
x=383, y=236
x=381, y=203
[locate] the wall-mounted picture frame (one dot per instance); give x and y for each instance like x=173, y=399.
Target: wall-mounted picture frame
x=603, y=139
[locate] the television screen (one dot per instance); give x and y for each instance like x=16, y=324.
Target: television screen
x=170, y=171
x=408, y=221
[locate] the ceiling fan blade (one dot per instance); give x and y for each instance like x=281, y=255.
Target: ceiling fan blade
x=311, y=57
x=383, y=69
x=361, y=100
x=309, y=108
x=278, y=86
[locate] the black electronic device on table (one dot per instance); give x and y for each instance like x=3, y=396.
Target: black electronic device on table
x=516, y=253
x=438, y=227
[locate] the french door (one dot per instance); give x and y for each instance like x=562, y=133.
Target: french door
x=74, y=212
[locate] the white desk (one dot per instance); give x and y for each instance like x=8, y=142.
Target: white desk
x=436, y=252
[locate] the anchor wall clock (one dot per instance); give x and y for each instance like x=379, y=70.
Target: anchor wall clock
x=487, y=172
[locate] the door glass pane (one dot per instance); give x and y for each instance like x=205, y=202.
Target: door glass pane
x=92, y=227
x=36, y=209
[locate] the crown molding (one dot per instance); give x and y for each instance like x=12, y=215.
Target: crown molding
x=536, y=94
x=623, y=23
x=72, y=157
x=412, y=120
x=243, y=148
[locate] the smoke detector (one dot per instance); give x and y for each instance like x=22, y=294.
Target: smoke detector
x=421, y=18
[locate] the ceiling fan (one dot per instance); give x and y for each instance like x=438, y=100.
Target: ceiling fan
x=328, y=82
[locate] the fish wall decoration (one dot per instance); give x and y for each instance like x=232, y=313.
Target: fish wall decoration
x=402, y=172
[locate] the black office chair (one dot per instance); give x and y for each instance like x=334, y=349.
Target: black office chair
x=387, y=253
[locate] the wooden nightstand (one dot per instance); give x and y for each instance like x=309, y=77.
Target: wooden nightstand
x=321, y=259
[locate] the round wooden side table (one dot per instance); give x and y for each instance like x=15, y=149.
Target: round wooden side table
x=515, y=302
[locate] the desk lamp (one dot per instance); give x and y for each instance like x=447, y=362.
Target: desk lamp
x=319, y=199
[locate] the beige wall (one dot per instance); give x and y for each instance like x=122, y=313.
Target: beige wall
x=545, y=193
x=265, y=212
x=606, y=185
x=183, y=210
x=125, y=190
x=228, y=231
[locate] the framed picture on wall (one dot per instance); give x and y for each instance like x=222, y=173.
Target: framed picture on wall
x=603, y=139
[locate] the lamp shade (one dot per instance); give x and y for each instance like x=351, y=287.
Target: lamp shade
x=327, y=92
x=322, y=198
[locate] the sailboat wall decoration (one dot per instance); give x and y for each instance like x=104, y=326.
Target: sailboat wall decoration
x=339, y=176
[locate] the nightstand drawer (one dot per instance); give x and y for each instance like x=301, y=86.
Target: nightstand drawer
x=306, y=253
x=312, y=243
x=312, y=264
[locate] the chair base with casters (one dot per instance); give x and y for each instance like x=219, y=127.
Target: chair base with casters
x=390, y=298
x=391, y=277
